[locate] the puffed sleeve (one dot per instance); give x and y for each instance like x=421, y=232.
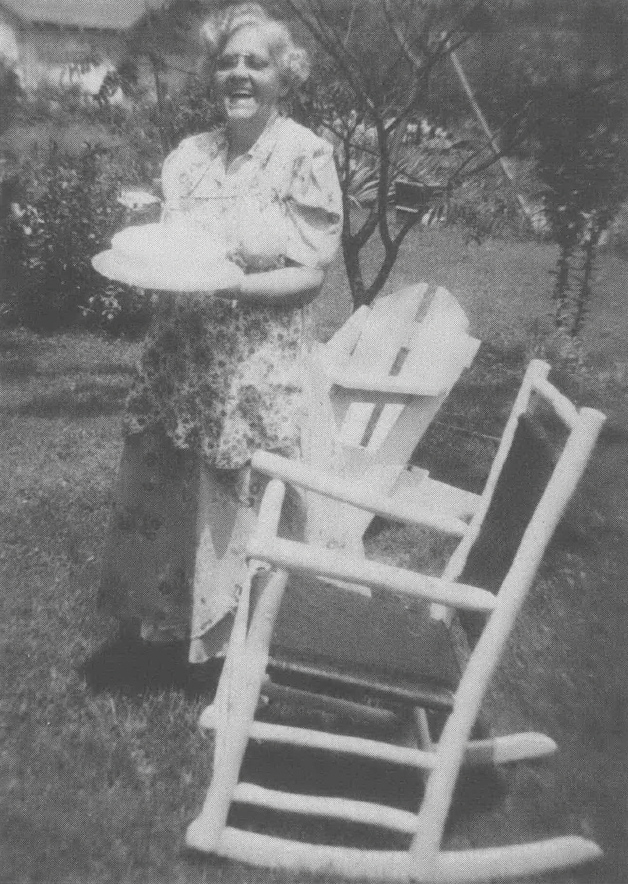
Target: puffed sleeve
x=170, y=169
x=314, y=208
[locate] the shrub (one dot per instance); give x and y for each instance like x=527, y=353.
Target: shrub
x=188, y=111
x=10, y=94
x=64, y=212
x=64, y=205
x=582, y=164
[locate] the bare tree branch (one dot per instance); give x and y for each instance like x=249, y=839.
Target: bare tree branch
x=397, y=29
x=329, y=41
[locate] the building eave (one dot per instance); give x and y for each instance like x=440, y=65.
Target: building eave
x=93, y=15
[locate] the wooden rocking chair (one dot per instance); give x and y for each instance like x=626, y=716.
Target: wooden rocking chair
x=330, y=656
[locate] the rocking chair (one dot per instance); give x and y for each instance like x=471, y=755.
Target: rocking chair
x=352, y=656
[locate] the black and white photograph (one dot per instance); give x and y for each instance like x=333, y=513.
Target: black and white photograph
x=313, y=441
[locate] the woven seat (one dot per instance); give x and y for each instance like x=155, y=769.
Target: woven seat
x=398, y=652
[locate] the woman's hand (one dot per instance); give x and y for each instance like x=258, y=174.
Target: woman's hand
x=286, y=287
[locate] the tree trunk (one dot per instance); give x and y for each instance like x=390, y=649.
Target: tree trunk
x=351, y=254
x=562, y=287
x=584, y=291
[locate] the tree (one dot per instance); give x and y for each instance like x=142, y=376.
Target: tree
x=375, y=63
x=583, y=164
x=371, y=79
x=161, y=46
x=10, y=93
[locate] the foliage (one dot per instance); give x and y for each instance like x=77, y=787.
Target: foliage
x=583, y=165
x=63, y=206
x=368, y=84
x=64, y=212
x=10, y=94
x=186, y=112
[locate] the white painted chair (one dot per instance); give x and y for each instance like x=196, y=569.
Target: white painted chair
x=375, y=387
x=259, y=660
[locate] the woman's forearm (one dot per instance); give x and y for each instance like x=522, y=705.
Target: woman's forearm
x=290, y=286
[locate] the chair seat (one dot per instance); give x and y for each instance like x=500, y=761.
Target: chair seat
x=385, y=647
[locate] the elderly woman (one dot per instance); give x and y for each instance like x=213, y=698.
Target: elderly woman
x=220, y=375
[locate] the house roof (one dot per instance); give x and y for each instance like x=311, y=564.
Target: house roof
x=116, y=15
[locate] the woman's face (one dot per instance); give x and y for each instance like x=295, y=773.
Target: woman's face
x=248, y=80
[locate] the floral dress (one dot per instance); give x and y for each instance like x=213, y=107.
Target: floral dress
x=221, y=378
x=217, y=380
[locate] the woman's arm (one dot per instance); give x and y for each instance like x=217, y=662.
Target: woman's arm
x=288, y=286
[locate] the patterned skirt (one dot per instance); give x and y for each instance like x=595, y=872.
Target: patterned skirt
x=175, y=553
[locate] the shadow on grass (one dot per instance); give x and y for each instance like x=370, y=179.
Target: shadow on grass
x=134, y=669
x=98, y=369
x=87, y=399
x=479, y=790
x=16, y=359
x=24, y=356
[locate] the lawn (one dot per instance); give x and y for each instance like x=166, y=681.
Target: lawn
x=101, y=762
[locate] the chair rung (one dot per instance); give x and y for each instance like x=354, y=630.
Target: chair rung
x=430, y=696
x=310, y=739
x=336, y=705
x=365, y=812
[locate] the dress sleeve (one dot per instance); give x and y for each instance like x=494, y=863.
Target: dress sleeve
x=169, y=173
x=314, y=209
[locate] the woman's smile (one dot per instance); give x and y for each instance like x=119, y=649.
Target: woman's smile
x=248, y=79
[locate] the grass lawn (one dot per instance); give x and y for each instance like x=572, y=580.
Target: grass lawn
x=102, y=768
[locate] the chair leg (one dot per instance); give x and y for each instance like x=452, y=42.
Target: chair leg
x=205, y=831
x=415, y=729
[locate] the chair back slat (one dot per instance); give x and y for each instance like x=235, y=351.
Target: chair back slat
x=342, y=344
x=401, y=427
x=383, y=334
x=412, y=334
x=522, y=481
x=434, y=349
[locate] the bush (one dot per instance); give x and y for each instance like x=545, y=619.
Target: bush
x=10, y=95
x=185, y=112
x=582, y=164
x=63, y=213
x=63, y=207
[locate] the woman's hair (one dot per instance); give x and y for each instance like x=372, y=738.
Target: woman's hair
x=218, y=29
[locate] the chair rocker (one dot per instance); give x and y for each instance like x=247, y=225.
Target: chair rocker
x=351, y=656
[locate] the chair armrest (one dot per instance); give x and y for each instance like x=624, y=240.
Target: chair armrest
x=564, y=408
x=345, y=491
x=386, y=384
x=332, y=563
x=415, y=488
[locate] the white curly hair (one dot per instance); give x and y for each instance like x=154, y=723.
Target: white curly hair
x=292, y=60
